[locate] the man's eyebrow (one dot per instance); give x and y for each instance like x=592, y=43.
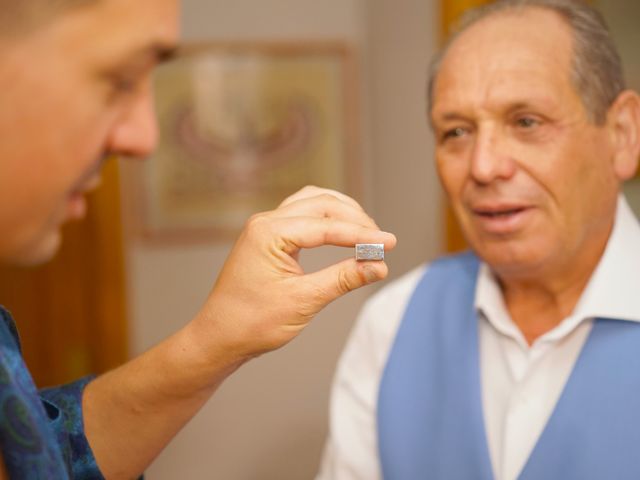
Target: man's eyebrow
x=162, y=52
x=155, y=53
x=449, y=117
x=521, y=105
x=509, y=107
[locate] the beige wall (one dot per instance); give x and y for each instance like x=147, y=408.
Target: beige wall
x=269, y=420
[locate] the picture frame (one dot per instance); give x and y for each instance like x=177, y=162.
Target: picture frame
x=242, y=126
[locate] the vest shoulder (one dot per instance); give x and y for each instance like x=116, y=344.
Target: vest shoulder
x=449, y=276
x=465, y=261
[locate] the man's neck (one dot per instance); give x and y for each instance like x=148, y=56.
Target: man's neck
x=540, y=302
x=536, y=309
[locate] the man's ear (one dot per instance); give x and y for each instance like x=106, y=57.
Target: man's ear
x=623, y=120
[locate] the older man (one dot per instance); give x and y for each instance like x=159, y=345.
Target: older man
x=521, y=359
x=75, y=83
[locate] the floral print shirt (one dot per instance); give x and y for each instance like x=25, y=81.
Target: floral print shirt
x=41, y=432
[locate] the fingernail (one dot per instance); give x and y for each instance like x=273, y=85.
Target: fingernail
x=391, y=235
x=370, y=274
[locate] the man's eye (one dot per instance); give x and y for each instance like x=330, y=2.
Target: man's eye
x=125, y=82
x=526, y=122
x=454, y=133
x=125, y=85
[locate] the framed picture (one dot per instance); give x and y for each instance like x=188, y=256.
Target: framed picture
x=241, y=127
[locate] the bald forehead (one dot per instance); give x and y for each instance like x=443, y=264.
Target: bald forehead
x=530, y=42
x=511, y=32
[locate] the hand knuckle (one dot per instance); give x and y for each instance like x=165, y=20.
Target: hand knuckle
x=307, y=190
x=258, y=222
x=330, y=198
x=344, y=282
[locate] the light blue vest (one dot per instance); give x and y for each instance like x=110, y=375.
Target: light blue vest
x=430, y=417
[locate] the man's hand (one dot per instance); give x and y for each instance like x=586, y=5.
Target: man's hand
x=263, y=298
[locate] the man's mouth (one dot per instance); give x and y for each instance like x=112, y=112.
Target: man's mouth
x=499, y=213
x=77, y=202
x=92, y=183
x=501, y=219
x=76, y=206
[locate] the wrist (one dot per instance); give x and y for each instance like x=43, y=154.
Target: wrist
x=206, y=351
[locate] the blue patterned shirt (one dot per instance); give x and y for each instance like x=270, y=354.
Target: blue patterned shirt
x=41, y=433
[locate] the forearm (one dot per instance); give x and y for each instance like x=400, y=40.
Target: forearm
x=132, y=413
x=261, y=301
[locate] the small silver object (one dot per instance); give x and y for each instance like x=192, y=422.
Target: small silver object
x=369, y=251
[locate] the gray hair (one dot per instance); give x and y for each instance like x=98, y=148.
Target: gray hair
x=596, y=69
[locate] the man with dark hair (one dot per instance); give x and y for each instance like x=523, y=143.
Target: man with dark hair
x=75, y=83
x=520, y=359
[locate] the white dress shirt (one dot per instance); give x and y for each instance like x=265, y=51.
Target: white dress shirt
x=520, y=383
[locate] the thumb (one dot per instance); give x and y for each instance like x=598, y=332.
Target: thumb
x=332, y=282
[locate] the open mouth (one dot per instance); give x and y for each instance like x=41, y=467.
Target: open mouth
x=502, y=219
x=499, y=213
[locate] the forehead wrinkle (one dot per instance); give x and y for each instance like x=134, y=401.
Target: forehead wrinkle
x=503, y=53
x=499, y=96
x=516, y=90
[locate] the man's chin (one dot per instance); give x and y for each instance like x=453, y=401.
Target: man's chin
x=36, y=253
x=514, y=264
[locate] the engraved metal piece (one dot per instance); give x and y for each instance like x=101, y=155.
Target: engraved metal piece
x=369, y=251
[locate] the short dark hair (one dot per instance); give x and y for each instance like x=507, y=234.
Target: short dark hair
x=596, y=66
x=23, y=15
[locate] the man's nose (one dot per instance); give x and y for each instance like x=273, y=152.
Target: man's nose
x=491, y=158
x=136, y=133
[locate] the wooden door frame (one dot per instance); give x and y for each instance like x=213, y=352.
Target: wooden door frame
x=450, y=12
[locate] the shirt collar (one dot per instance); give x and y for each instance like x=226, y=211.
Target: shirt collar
x=612, y=291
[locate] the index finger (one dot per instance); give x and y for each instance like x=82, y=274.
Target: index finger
x=325, y=205
x=313, y=191
x=310, y=232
